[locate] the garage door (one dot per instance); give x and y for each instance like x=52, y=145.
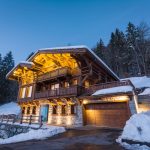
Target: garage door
x=107, y=114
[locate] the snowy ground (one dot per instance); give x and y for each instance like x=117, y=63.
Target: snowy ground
x=44, y=132
x=34, y=134
x=9, y=108
x=137, y=128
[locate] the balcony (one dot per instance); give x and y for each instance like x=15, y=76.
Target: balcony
x=70, y=91
x=94, y=88
x=54, y=74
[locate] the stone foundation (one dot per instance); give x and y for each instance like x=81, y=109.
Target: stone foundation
x=66, y=120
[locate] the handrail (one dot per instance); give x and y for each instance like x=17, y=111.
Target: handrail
x=54, y=73
x=72, y=90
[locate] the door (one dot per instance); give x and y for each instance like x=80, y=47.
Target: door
x=107, y=114
x=44, y=112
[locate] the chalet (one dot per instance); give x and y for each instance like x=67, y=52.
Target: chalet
x=71, y=86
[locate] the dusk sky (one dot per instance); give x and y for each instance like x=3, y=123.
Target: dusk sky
x=28, y=25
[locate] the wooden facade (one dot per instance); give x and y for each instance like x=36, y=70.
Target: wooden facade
x=54, y=82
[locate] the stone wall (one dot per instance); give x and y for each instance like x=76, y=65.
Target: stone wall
x=9, y=130
x=67, y=119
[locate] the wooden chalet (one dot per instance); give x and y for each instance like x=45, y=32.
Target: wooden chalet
x=58, y=84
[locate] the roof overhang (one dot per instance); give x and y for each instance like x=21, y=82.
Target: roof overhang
x=82, y=50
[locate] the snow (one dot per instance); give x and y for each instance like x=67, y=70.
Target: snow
x=26, y=62
x=139, y=82
x=9, y=108
x=34, y=134
x=120, y=89
x=137, y=128
x=145, y=92
x=132, y=146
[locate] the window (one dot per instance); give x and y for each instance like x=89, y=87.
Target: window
x=34, y=110
x=63, y=109
x=29, y=93
x=54, y=109
x=28, y=110
x=87, y=84
x=66, y=84
x=72, y=109
x=23, y=110
x=54, y=86
x=23, y=92
x=75, y=82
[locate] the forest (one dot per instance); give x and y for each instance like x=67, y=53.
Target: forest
x=127, y=54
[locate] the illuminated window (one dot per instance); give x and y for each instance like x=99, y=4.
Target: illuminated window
x=54, y=86
x=86, y=84
x=23, y=92
x=29, y=91
x=66, y=84
x=75, y=82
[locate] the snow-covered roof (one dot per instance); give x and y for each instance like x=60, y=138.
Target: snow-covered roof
x=21, y=63
x=76, y=48
x=145, y=92
x=139, y=82
x=114, y=90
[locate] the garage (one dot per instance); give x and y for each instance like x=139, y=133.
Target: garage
x=107, y=114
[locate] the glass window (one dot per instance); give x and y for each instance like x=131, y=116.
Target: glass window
x=54, y=86
x=54, y=109
x=72, y=109
x=63, y=109
x=34, y=110
x=29, y=91
x=23, y=110
x=28, y=110
x=87, y=84
x=23, y=92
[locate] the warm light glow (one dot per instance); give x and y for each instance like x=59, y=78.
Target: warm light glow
x=85, y=101
x=69, y=120
x=59, y=120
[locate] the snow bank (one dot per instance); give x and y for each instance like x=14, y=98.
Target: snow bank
x=34, y=134
x=120, y=89
x=139, y=82
x=9, y=108
x=137, y=128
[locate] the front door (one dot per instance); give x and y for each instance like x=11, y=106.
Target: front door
x=44, y=112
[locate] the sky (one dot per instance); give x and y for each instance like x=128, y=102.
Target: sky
x=29, y=25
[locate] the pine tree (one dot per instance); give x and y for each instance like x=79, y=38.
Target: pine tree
x=117, y=46
x=132, y=36
x=9, y=88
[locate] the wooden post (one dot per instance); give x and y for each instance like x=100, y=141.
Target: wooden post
x=30, y=120
x=14, y=119
x=21, y=118
x=2, y=118
x=7, y=118
x=41, y=121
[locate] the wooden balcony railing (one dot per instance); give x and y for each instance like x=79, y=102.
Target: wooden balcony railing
x=96, y=87
x=70, y=91
x=53, y=74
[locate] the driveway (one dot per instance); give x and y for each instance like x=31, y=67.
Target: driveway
x=85, y=138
